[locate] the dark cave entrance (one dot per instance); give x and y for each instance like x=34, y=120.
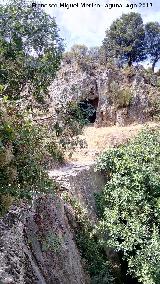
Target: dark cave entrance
x=89, y=108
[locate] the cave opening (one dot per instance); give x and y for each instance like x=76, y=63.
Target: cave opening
x=89, y=108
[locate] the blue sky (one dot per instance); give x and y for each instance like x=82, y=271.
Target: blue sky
x=87, y=25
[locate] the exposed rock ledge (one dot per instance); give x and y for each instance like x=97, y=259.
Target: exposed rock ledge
x=37, y=243
x=122, y=96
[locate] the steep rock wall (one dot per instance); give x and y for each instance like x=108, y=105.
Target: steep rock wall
x=37, y=242
x=110, y=86
x=81, y=182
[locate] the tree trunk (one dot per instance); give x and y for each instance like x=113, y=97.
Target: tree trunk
x=154, y=63
x=130, y=61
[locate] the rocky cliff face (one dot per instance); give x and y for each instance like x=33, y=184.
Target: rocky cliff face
x=124, y=95
x=81, y=182
x=38, y=242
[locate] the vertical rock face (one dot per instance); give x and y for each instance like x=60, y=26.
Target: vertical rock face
x=37, y=244
x=11, y=243
x=54, y=252
x=40, y=248
x=81, y=182
x=109, y=85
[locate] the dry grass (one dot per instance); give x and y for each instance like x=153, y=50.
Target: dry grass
x=99, y=139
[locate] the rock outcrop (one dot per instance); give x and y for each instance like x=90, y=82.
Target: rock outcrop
x=37, y=242
x=81, y=182
x=123, y=96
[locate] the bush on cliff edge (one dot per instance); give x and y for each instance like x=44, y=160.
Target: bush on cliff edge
x=129, y=205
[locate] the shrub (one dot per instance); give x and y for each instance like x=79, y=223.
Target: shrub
x=120, y=97
x=69, y=124
x=129, y=205
x=96, y=262
x=154, y=104
x=23, y=146
x=28, y=147
x=87, y=111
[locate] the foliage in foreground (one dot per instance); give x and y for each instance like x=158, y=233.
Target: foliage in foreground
x=30, y=47
x=28, y=147
x=23, y=148
x=129, y=206
x=31, y=51
x=96, y=263
x=30, y=55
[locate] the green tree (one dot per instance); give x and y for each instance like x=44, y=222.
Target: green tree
x=31, y=51
x=153, y=42
x=79, y=50
x=77, y=53
x=125, y=39
x=129, y=206
x=87, y=59
x=30, y=48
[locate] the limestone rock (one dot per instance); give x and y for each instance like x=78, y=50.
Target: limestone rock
x=105, y=83
x=38, y=242
x=82, y=182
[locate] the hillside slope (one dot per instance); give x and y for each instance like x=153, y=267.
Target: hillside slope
x=96, y=140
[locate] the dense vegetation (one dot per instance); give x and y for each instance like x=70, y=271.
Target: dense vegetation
x=31, y=51
x=96, y=263
x=25, y=149
x=29, y=57
x=129, y=206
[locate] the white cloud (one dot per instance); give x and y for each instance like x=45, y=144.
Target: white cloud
x=87, y=25
x=155, y=17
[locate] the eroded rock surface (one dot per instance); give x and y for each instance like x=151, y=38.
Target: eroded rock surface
x=82, y=182
x=110, y=86
x=40, y=248
x=37, y=243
